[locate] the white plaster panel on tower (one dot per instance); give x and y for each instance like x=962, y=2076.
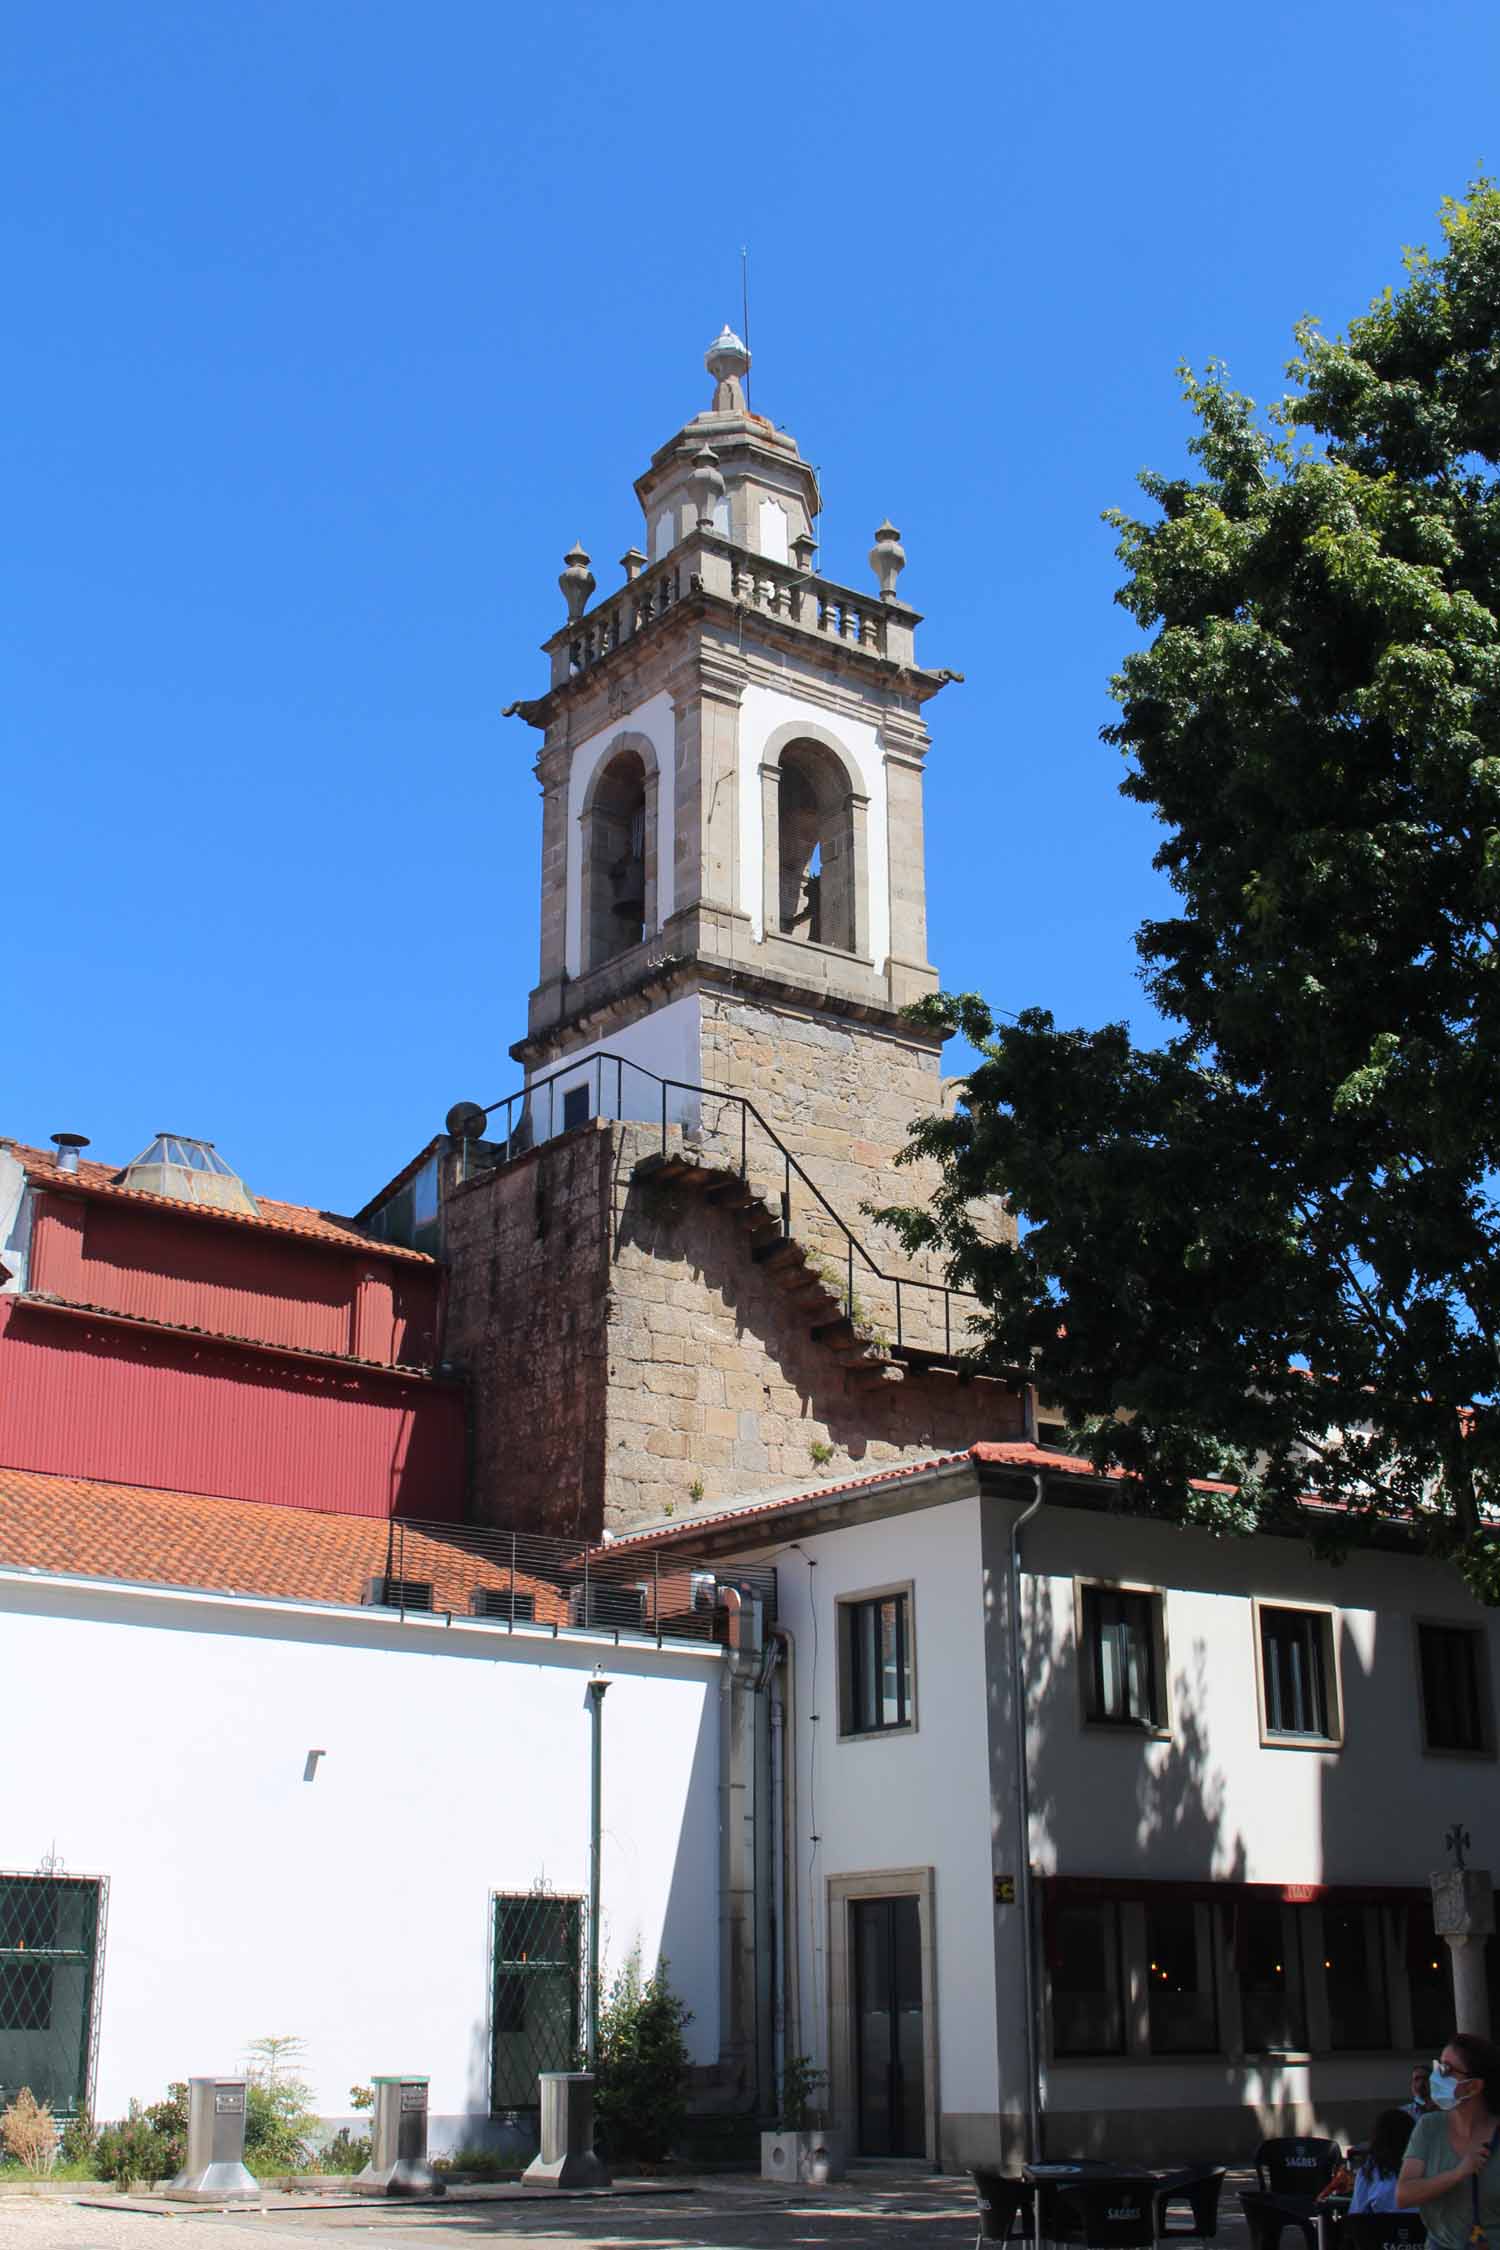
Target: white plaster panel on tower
x=772, y=539
x=654, y=720
x=667, y=1043
x=763, y=711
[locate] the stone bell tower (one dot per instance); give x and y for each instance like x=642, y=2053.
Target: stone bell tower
x=733, y=883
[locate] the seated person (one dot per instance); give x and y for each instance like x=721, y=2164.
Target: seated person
x=1375, y=2180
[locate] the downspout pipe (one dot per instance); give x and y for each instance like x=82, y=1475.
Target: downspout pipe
x=1023, y=1825
x=596, y=1694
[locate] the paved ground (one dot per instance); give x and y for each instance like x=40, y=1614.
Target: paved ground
x=904, y=2212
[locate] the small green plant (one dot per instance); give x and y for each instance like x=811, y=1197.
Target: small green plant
x=695, y=1489
x=819, y=1453
x=640, y=2086
x=480, y=2164
x=76, y=2148
x=361, y=2097
x=278, y=2106
x=795, y=2088
x=133, y=2150
x=346, y=2152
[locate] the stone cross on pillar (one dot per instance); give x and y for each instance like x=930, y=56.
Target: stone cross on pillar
x=1463, y=1913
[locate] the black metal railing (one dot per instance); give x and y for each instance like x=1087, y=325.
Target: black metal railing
x=598, y=1075
x=526, y=1580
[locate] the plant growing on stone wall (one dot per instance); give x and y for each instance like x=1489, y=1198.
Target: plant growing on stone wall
x=640, y=2096
x=695, y=1489
x=819, y=1453
x=29, y=2132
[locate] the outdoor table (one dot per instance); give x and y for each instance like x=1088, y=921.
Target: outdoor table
x=1067, y=2174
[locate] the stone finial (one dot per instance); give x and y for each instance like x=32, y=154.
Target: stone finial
x=887, y=559
x=632, y=562
x=804, y=547
x=727, y=360
x=577, y=580
x=708, y=485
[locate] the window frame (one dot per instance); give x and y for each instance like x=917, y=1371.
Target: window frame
x=844, y=1607
x=1159, y=1727
x=1328, y=1620
x=1124, y=2049
x=1483, y=1688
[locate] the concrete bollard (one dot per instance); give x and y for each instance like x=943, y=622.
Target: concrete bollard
x=566, y=2158
x=398, y=2142
x=215, y=2169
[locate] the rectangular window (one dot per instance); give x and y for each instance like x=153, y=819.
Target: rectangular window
x=49, y=1935
x=577, y=1108
x=1088, y=2013
x=1180, y=1981
x=1296, y=1654
x=499, y=1601
x=875, y=1664
x=1454, y=1714
x=535, y=2007
x=1429, y=1981
x=1354, y=1971
x=1121, y=1673
x=1268, y=1945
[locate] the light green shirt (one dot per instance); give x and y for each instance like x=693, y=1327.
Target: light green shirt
x=1449, y=2217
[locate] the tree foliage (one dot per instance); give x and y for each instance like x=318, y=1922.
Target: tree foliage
x=1263, y=1254
x=640, y=2096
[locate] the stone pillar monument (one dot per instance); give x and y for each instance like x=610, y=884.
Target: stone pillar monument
x=1463, y=1913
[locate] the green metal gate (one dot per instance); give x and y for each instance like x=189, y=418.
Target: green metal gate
x=51, y=1943
x=536, y=2021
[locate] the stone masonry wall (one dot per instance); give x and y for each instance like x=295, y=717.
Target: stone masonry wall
x=628, y=1359
x=716, y=1387
x=528, y=1250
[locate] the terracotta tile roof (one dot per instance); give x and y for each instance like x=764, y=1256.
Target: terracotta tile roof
x=93, y=1179
x=78, y=1527
x=755, y=1510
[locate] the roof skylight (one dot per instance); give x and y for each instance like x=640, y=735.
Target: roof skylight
x=191, y=1171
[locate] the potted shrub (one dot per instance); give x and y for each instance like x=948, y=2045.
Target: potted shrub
x=801, y=2149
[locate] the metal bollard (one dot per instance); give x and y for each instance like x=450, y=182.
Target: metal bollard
x=398, y=2142
x=215, y=2169
x=566, y=2158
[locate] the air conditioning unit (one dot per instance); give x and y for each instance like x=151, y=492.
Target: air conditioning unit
x=397, y=1593
x=616, y=1608
x=498, y=1601
x=705, y=1590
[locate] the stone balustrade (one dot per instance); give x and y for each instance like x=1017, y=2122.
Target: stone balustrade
x=710, y=564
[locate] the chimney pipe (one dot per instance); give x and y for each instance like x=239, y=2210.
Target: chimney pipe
x=67, y=1146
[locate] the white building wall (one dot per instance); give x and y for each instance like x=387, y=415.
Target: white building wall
x=762, y=711
x=666, y=1043
x=901, y=1801
x=352, y=1910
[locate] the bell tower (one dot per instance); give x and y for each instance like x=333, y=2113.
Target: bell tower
x=733, y=890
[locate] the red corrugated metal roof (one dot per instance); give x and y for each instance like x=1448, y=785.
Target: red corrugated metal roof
x=93, y=1179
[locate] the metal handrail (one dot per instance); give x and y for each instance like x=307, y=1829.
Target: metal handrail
x=791, y=1166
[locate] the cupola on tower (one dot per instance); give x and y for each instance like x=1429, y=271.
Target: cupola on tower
x=733, y=886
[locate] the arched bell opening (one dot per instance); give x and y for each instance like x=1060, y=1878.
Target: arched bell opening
x=816, y=888
x=616, y=852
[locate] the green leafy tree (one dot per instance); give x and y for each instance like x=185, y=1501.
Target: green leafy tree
x=640, y=2096
x=1264, y=1253
x=279, y=2112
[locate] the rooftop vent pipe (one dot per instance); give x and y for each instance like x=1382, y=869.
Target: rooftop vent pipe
x=67, y=1146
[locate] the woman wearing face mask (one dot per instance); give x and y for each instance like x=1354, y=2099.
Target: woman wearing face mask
x=1451, y=2173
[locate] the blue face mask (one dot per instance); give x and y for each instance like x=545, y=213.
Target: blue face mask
x=1443, y=2088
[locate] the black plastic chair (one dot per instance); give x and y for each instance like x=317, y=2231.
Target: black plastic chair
x=1197, y=2186
x=1268, y=2216
x=1380, y=2230
x=1297, y=2164
x=1102, y=2212
x=1001, y=2202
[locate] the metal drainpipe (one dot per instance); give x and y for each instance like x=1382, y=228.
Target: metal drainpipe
x=1023, y=1822
x=790, y=1987
x=596, y=1694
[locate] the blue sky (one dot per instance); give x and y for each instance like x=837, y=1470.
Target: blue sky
x=331, y=326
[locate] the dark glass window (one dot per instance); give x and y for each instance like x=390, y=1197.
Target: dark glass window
x=405, y=1593
x=1180, y=1980
x=876, y=1664
x=1119, y=1636
x=1354, y=1972
x=1452, y=1707
x=1088, y=2015
x=576, y=1107
x=538, y=1990
x=1430, y=1982
x=1269, y=1952
x=1293, y=1646
x=49, y=1929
